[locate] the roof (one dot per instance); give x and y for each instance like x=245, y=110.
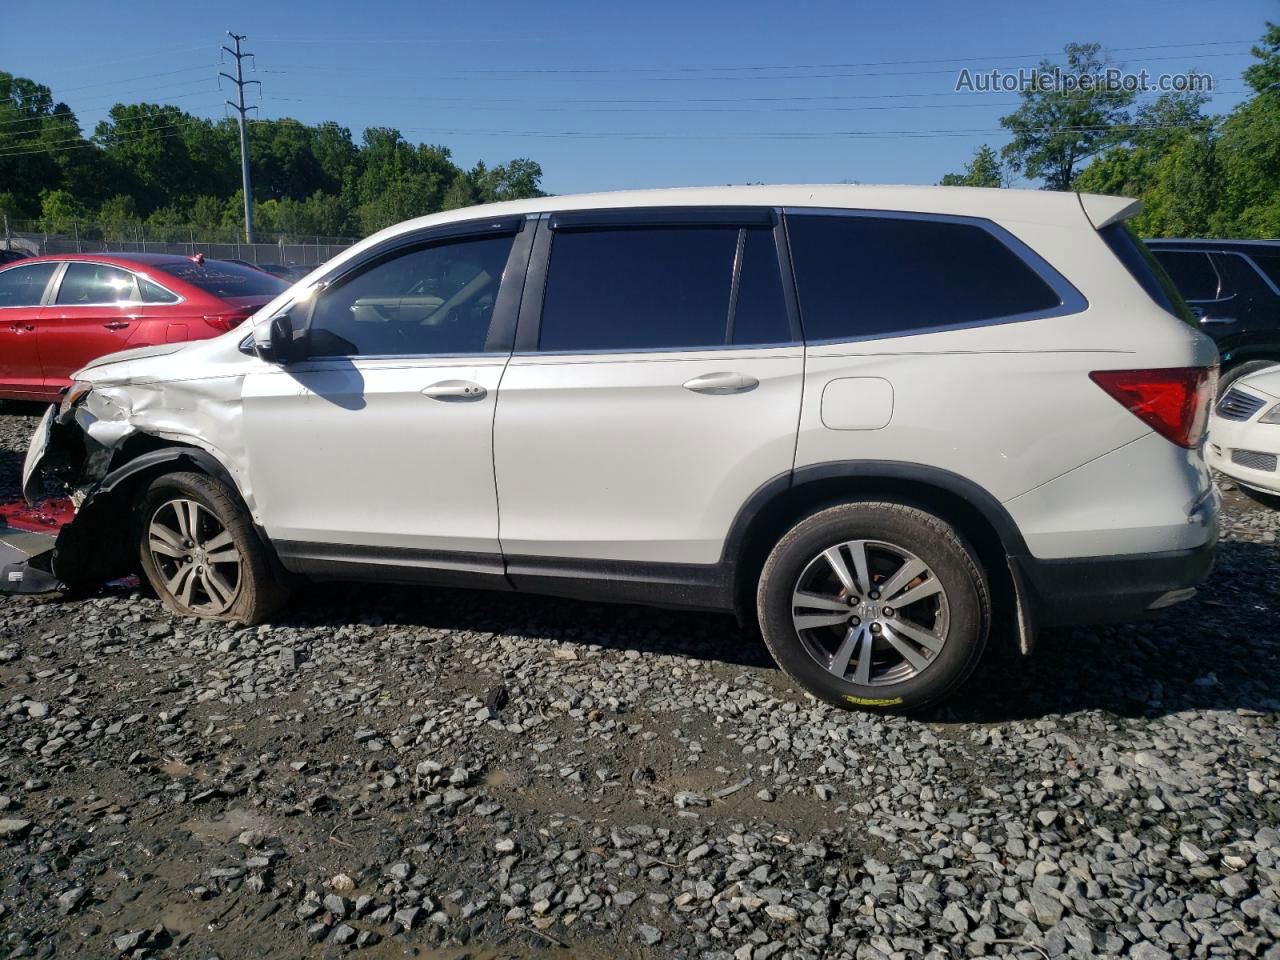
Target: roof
x=1036, y=206
x=139, y=259
x=1215, y=244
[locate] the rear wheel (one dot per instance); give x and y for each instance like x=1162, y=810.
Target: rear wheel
x=874, y=605
x=200, y=553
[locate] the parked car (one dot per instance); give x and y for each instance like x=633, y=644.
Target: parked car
x=285, y=271
x=1233, y=289
x=59, y=312
x=1244, y=442
x=879, y=422
x=11, y=256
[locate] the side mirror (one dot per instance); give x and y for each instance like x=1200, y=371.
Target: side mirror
x=285, y=338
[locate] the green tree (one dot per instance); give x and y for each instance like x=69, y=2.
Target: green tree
x=1057, y=128
x=982, y=171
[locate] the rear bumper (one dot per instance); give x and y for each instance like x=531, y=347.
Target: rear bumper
x=1087, y=590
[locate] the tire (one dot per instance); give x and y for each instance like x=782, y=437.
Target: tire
x=1232, y=374
x=951, y=617
x=215, y=567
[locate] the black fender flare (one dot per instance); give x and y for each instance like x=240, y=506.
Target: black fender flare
x=991, y=509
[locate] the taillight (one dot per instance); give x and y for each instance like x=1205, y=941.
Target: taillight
x=224, y=321
x=1174, y=402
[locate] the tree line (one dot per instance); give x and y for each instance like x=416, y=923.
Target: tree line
x=157, y=165
x=1197, y=174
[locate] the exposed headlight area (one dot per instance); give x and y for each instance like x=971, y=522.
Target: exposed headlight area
x=78, y=390
x=1271, y=416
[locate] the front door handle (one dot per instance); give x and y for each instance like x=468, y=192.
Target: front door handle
x=116, y=324
x=719, y=384
x=22, y=327
x=454, y=390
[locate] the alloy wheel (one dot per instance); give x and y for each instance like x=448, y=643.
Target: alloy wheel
x=870, y=612
x=195, y=555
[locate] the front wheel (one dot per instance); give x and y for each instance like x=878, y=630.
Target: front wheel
x=874, y=605
x=200, y=553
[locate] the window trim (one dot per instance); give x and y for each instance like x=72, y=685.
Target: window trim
x=529, y=326
x=58, y=267
x=502, y=323
x=1071, y=300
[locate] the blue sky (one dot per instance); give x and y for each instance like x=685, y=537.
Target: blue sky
x=611, y=96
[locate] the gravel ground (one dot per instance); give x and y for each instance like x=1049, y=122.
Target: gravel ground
x=447, y=774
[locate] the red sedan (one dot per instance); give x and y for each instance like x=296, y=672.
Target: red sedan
x=59, y=312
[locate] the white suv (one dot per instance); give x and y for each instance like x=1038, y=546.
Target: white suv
x=882, y=422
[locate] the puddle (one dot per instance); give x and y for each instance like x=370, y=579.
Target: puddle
x=225, y=827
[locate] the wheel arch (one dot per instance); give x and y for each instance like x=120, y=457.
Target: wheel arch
x=972, y=510
x=97, y=544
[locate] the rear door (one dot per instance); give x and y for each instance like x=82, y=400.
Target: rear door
x=22, y=291
x=655, y=385
x=95, y=311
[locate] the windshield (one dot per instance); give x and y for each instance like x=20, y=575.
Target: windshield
x=225, y=279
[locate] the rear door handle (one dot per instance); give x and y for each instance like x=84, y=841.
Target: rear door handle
x=454, y=390
x=22, y=327
x=720, y=384
x=116, y=324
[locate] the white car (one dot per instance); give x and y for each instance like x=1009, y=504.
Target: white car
x=884, y=423
x=1244, y=435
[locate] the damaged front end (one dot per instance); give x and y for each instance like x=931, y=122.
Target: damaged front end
x=70, y=455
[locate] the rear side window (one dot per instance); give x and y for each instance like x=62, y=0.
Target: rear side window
x=1146, y=269
x=662, y=288
x=154, y=293
x=1269, y=263
x=94, y=283
x=1192, y=273
x=24, y=286
x=866, y=276
x=224, y=279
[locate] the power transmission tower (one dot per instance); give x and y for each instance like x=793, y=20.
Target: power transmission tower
x=240, y=110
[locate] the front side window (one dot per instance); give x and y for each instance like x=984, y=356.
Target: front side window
x=1192, y=273
x=437, y=299
x=85, y=284
x=868, y=276
x=24, y=286
x=662, y=288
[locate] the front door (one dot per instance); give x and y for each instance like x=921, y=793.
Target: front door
x=95, y=311
x=375, y=452
x=660, y=389
x=22, y=290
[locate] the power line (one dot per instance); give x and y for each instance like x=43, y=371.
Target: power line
x=793, y=66
x=596, y=75
x=241, y=109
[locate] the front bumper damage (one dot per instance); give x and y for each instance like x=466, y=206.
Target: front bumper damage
x=97, y=449
x=70, y=454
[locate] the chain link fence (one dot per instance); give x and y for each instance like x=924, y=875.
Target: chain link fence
x=35, y=237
